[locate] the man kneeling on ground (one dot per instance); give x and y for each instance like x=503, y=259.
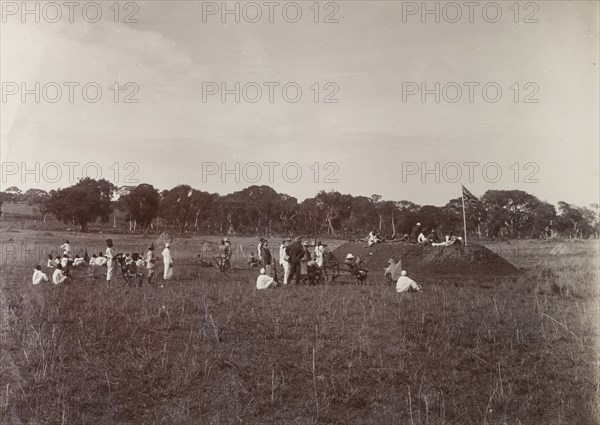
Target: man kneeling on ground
x=264, y=281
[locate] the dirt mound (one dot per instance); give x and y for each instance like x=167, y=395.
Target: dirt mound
x=429, y=260
x=562, y=249
x=163, y=239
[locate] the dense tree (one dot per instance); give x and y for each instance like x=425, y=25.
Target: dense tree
x=33, y=193
x=289, y=213
x=364, y=216
x=408, y=216
x=453, y=217
x=594, y=216
x=510, y=211
x=574, y=221
x=14, y=190
x=118, y=206
x=377, y=200
x=311, y=217
x=39, y=200
x=176, y=206
x=259, y=207
x=82, y=203
x=260, y=210
x=336, y=208
x=4, y=197
x=389, y=212
x=141, y=204
x=203, y=204
x=544, y=216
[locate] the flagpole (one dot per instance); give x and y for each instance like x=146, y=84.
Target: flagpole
x=462, y=198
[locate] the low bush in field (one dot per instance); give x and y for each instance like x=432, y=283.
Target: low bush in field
x=575, y=276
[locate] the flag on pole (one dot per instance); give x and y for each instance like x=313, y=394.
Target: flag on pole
x=468, y=197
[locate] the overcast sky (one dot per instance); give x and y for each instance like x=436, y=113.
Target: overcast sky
x=367, y=57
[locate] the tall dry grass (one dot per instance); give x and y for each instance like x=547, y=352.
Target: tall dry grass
x=209, y=348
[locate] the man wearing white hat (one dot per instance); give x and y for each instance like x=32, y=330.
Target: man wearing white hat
x=354, y=265
x=414, y=234
x=406, y=284
x=168, y=262
x=350, y=260
x=264, y=281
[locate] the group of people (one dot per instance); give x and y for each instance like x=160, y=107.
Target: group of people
x=292, y=253
x=417, y=236
x=39, y=276
x=61, y=266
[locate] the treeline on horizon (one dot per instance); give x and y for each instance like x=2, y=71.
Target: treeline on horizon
x=260, y=210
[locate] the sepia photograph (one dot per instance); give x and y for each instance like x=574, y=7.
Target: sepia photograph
x=348, y=212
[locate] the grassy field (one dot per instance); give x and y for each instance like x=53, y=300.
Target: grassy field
x=208, y=348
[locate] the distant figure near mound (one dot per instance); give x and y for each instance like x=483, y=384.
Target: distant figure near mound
x=429, y=260
x=562, y=249
x=163, y=239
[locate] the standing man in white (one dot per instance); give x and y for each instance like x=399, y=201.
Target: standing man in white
x=66, y=247
x=110, y=262
x=284, y=259
x=168, y=262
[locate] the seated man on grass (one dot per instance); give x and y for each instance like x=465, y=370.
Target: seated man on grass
x=313, y=270
x=373, y=238
x=406, y=284
x=38, y=276
x=52, y=262
x=264, y=281
x=422, y=239
x=59, y=277
x=101, y=260
x=253, y=261
x=354, y=267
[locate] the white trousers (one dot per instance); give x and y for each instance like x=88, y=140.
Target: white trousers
x=286, y=271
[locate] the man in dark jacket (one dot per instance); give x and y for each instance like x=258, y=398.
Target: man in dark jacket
x=414, y=234
x=266, y=258
x=434, y=237
x=295, y=253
